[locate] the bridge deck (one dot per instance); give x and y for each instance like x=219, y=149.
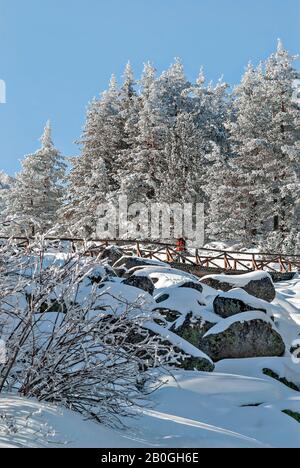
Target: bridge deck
x=201, y=261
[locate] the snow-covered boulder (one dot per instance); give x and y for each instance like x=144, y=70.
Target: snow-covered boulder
x=247, y=335
x=257, y=284
x=130, y=262
x=101, y=273
x=111, y=254
x=193, y=328
x=237, y=301
x=192, y=285
x=140, y=282
x=191, y=357
x=120, y=272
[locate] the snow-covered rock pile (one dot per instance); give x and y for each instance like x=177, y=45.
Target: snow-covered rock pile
x=223, y=316
x=219, y=317
x=207, y=327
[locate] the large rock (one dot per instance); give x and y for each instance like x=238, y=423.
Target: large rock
x=243, y=339
x=193, y=329
x=132, y=262
x=229, y=306
x=101, y=273
x=262, y=289
x=168, y=314
x=195, y=363
x=192, y=285
x=120, y=272
x=140, y=282
x=111, y=254
x=167, y=349
x=256, y=284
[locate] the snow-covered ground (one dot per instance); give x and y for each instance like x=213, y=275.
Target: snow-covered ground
x=193, y=409
x=235, y=406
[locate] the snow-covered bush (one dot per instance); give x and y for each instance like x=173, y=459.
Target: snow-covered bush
x=68, y=344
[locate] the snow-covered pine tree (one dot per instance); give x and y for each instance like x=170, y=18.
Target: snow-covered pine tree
x=87, y=190
x=210, y=110
x=6, y=183
x=264, y=132
x=94, y=173
x=167, y=101
x=182, y=179
x=168, y=107
x=140, y=180
x=36, y=196
x=130, y=102
x=249, y=194
x=282, y=133
x=223, y=194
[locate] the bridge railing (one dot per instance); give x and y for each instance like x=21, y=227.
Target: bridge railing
x=202, y=257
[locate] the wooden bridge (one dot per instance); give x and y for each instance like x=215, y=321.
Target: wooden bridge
x=199, y=261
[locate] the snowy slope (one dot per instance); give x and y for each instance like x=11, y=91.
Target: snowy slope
x=193, y=410
x=236, y=406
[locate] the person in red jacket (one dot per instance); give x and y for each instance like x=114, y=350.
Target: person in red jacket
x=181, y=249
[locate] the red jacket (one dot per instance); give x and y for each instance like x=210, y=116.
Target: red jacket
x=180, y=245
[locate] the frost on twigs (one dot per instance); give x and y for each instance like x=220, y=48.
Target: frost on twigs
x=68, y=342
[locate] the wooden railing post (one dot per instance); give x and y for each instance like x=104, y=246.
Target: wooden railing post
x=254, y=263
x=138, y=250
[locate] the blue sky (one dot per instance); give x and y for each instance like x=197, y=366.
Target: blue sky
x=55, y=55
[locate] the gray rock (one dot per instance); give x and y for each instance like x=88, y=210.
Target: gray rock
x=278, y=276
x=185, y=361
x=120, y=272
x=170, y=315
x=192, y=285
x=140, y=282
x=131, y=262
x=193, y=329
x=111, y=254
x=99, y=274
x=228, y=306
x=248, y=339
x=196, y=363
x=262, y=288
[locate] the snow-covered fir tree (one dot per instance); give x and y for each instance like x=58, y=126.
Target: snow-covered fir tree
x=182, y=179
x=94, y=175
x=235, y=211
x=166, y=102
x=209, y=110
x=129, y=114
x=264, y=175
x=165, y=139
x=33, y=202
x=283, y=134
x=6, y=183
